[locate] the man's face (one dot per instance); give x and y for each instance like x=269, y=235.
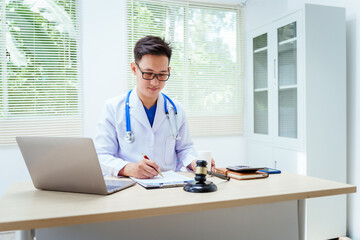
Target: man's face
x=148, y=90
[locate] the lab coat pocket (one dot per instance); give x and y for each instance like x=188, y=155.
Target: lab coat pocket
x=170, y=151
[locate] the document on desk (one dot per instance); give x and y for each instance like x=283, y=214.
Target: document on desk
x=170, y=179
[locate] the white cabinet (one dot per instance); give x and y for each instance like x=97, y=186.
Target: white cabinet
x=276, y=86
x=296, y=105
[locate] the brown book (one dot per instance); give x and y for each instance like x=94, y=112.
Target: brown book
x=241, y=176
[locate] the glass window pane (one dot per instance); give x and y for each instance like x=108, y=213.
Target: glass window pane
x=261, y=112
x=288, y=113
x=39, y=69
x=287, y=32
x=261, y=69
x=213, y=65
x=287, y=64
x=260, y=41
x=207, y=41
x=42, y=62
x=260, y=56
x=287, y=81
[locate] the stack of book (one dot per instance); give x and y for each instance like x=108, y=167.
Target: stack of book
x=241, y=175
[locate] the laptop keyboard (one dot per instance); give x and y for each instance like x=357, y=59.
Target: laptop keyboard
x=111, y=188
x=113, y=185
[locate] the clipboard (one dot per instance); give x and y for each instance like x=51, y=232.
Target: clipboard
x=170, y=179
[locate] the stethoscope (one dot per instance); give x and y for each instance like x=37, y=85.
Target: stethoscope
x=129, y=138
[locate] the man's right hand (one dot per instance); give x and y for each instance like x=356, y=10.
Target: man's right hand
x=143, y=169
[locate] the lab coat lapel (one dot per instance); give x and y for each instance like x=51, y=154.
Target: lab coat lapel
x=137, y=109
x=160, y=115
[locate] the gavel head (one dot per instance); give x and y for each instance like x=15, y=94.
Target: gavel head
x=200, y=171
x=200, y=185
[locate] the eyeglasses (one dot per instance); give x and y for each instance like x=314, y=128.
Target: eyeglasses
x=150, y=76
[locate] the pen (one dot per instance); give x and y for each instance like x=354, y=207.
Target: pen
x=146, y=157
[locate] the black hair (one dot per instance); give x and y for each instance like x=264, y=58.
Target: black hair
x=151, y=45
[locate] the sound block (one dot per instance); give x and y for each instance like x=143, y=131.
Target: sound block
x=196, y=187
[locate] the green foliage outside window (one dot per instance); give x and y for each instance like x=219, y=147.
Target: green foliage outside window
x=39, y=59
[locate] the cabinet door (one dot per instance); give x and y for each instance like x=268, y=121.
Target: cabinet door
x=258, y=88
x=260, y=84
x=287, y=81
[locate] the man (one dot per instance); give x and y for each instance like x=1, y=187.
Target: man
x=126, y=133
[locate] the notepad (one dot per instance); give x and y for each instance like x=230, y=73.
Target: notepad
x=170, y=179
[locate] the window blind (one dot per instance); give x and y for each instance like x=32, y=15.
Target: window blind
x=207, y=63
x=40, y=87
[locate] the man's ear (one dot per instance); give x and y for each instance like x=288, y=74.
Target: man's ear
x=133, y=68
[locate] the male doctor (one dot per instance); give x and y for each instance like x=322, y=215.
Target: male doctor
x=125, y=133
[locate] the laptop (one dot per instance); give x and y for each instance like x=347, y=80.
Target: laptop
x=67, y=164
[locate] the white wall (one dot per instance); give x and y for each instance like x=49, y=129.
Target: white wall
x=103, y=48
x=259, y=12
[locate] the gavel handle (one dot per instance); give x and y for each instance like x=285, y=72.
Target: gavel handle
x=222, y=176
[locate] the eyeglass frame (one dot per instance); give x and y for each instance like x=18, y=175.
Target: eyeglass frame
x=155, y=74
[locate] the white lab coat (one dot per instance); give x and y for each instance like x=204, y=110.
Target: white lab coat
x=156, y=142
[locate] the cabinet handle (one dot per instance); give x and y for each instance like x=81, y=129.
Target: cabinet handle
x=275, y=71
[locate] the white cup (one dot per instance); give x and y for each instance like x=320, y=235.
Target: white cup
x=205, y=155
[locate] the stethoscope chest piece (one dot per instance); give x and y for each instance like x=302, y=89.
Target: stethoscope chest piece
x=129, y=138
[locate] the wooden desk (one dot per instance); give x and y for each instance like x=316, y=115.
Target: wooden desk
x=23, y=207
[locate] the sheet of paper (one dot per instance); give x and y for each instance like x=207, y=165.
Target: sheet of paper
x=170, y=177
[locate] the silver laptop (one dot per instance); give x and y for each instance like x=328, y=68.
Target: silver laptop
x=66, y=164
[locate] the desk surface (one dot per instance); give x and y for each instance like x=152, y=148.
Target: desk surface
x=24, y=207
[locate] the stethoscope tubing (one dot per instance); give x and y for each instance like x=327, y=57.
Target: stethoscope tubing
x=165, y=104
x=129, y=135
x=127, y=112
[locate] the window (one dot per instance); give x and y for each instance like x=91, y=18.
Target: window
x=207, y=66
x=39, y=69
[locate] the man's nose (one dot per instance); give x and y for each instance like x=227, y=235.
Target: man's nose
x=154, y=81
